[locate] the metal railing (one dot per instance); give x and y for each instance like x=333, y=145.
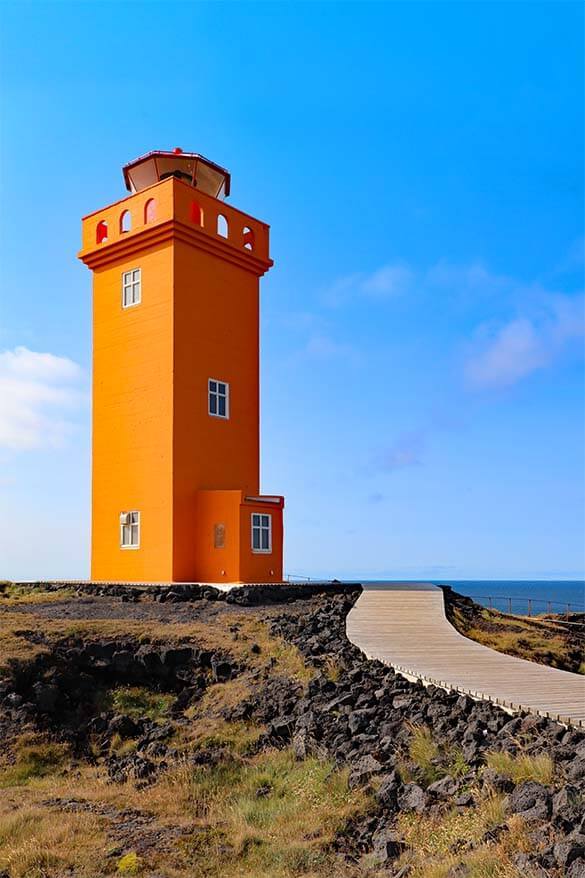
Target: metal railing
x=534, y=606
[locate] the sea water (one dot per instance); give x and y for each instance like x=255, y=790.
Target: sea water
x=546, y=595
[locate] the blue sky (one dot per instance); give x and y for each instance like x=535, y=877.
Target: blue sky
x=422, y=330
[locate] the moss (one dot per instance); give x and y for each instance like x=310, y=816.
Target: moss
x=129, y=864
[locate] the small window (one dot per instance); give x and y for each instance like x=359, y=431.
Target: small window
x=150, y=211
x=219, y=398
x=125, y=221
x=130, y=530
x=222, y=226
x=261, y=532
x=101, y=232
x=131, y=288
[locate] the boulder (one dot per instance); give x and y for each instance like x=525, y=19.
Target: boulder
x=281, y=728
x=123, y=725
x=577, y=868
x=568, y=806
x=443, y=788
x=387, y=845
x=363, y=770
x=387, y=792
x=412, y=798
x=567, y=850
x=532, y=800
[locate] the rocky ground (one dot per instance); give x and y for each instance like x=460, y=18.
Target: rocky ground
x=552, y=640
x=178, y=733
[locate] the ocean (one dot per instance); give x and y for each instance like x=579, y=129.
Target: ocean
x=512, y=595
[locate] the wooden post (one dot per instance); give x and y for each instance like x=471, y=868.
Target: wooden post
x=510, y=606
x=530, y=606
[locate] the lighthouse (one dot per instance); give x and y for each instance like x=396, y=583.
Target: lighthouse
x=175, y=429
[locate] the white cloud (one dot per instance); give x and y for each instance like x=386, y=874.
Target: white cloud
x=384, y=283
x=390, y=280
x=39, y=392
x=507, y=353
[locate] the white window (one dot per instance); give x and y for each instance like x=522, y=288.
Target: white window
x=261, y=532
x=130, y=530
x=219, y=398
x=131, y=288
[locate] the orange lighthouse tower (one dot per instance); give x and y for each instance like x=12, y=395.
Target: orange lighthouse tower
x=176, y=456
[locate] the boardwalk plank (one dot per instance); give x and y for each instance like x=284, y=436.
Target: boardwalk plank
x=404, y=625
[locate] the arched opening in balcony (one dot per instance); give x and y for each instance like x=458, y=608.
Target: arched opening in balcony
x=101, y=232
x=150, y=211
x=196, y=213
x=222, y=226
x=125, y=221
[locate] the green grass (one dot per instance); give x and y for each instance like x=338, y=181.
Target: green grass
x=522, y=767
x=423, y=752
x=268, y=816
x=33, y=760
x=427, y=761
x=139, y=702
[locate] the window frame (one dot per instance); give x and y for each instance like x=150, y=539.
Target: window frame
x=133, y=524
x=261, y=528
x=216, y=393
x=129, y=285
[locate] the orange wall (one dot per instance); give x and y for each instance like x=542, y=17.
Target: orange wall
x=211, y=508
x=215, y=336
x=154, y=444
x=132, y=412
x=235, y=561
x=260, y=567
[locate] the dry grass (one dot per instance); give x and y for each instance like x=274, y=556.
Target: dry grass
x=229, y=829
x=15, y=643
x=17, y=629
x=437, y=844
x=226, y=827
x=423, y=753
x=14, y=595
x=36, y=844
x=522, y=766
x=535, y=639
x=270, y=815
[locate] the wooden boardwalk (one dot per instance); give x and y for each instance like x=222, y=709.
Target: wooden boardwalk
x=404, y=625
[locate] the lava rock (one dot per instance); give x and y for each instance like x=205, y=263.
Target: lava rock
x=412, y=798
x=532, y=800
x=364, y=769
x=387, y=845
